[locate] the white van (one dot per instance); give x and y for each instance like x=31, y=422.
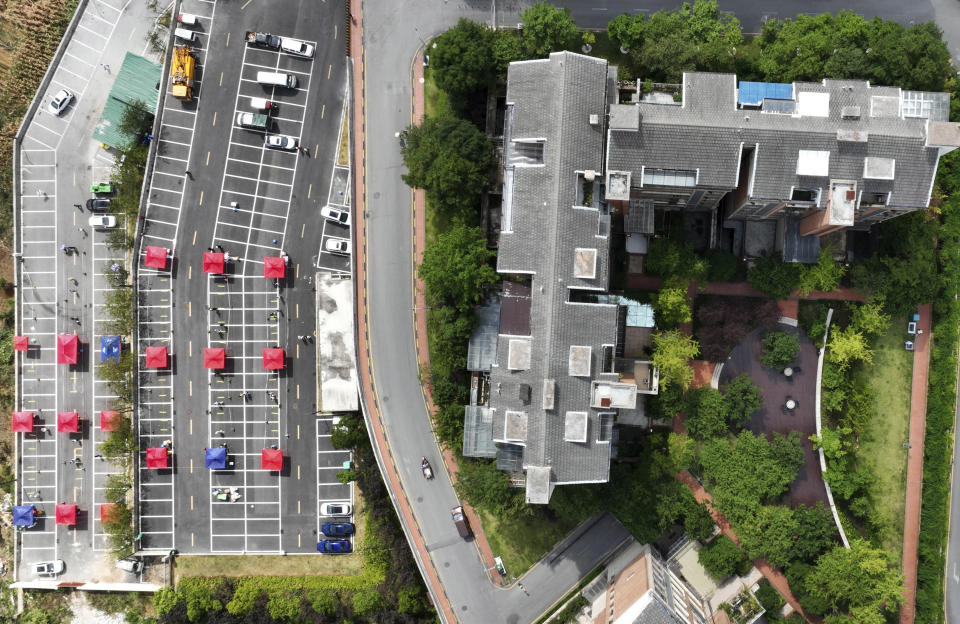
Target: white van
x=278, y=79
x=185, y=33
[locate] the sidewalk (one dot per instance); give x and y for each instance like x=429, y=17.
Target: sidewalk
x=441, y=600
x=918, y=425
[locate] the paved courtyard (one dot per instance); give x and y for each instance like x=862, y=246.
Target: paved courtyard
x=808, y=487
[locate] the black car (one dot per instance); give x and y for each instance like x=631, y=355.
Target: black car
x=98, y=204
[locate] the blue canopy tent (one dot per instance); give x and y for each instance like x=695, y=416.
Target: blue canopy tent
x=110, y=348
x=216, y=458
x=23, y=515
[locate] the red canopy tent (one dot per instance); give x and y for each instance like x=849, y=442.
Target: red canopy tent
x=213, y=262
x=66, y=514
x=67, y=346
x=108, y=513
x=109, y=420
x=271, y=459
x=157, y=458
x=272, y=359
x=68, y=422
x=274, y=267
x=215, y=357
x=22, y=422
x=156, y=357
x=156, y=257
x=21, y=343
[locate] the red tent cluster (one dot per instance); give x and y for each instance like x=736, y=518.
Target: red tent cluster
x=158, y=457
x=155, y=357
x=213, y=262
x=22, y=422
x=214, y=357
x=66, y=514
x=21, y=343
x=156, y=257
x=271, y=459
x=273, y=359
x=68, y=422
x=67, y=347
x=274, y=267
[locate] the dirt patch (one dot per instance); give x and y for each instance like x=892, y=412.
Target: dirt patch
x=83, y=613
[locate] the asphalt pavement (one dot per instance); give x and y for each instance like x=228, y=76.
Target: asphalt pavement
x=219, y=187
x=63, y=294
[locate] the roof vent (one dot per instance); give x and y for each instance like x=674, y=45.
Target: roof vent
x=589, y=175
x=850, y=112
x=594, y=119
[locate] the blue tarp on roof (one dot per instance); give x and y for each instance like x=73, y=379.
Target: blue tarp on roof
x=216, y=458
x=753, y=93
x=23, y=515
x=110, y=348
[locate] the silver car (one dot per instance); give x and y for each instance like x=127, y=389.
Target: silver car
x=48, y=568
x=280, y=141
x=337, y=246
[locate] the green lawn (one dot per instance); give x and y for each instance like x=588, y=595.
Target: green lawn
x=523, y=542
x=881, y=446
x=434, y=104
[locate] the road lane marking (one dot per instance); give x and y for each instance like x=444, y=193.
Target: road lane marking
x=207, y=162
x=329, y=69
x=200, y=203
x=191, y=505
x=297, y=311
x=214, y=118
x=334, y=31
x=227, y=44
x=323, y=109
x=309, y=192
x=194, y=237
x=245, y=4
x=221, y=73
x=190, y=272
x=191, y=394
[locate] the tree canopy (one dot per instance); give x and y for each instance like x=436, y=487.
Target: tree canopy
x=671, y=306
x=848, y=345
x=861, y=585
x=779, y=348
x=671, y=352
x=456, y=267
x=774, y=277
x=547, y=29
x=463, y=61
x=723, y=558
x=451, y=159
x=824, y=275
x=707, y=413
x=742, y=398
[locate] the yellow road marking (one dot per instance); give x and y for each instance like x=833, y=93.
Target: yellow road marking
x=194, y=237
x=191, y=394
x=190, y=348
x=189, y=308
x=191, y=539
x=298, y=436
x=309, y=192
x=298, y=510
x=245, y=4
x=334, y=31
x=207, y=162
x=191, y=503
x=298, y=472
x=200, y=203
x=191, y=420
x=329, y=69
x=221, y=73
x=297, y=356
x=214, y=118
x=298, y=392
x=227, y=45
x=190, y=272
x=191, y=464
x=323, y=109
x=297, y=310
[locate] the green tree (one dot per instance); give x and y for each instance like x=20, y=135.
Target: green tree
x=707, y=413
x=824, y=275
x=861, y=584
x=742, y=398
x=816, y=533
x=671, y=305
x=547, y=29
x=770, y=599
x=774, y=277
x=451, y=159
x=507, y=47
x=847, y=346
x=682, y=451
x=869, y=318
x=456, y=267
x=769, y=534
x=723, y=558
x=672, y=259
x=121, y=442
x=367, y=602
x=627, y=30
x=463, y=61
x=779, y=349
x=672, y=351
x=482, y=485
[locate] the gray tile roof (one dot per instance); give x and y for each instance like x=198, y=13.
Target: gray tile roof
x=706, y=133
x=553, y=100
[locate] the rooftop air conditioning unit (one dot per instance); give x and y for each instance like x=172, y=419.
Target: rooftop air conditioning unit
x=594, y=119
x=850, y=112
x=589, y=175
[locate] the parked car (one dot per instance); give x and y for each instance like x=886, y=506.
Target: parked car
x=280, y=141
x=130, y=565
x=336, y=509
x=102, y=188
x=334, y=547
x=337, y=529
x=48, y=568
x=460, y=520
x=102, y=222
x=337, y=216
x=98, y=204
x=337, y=246
x=188, y=19
x=296, y=47
x=60, y=101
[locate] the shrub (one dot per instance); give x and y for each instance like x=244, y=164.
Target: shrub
x=723, y=266
x=824, y=275
x=774, y=277
x=669, y=258
x=742, y=398
x=707, y=413
x=780, y=348
x=671, y=354
x=671, y=306
x=723, y=558
x=770, y=599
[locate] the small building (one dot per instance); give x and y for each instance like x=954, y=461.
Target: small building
x=138, y=80
x=336, y=355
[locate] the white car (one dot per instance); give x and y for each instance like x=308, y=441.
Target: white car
x=336, y=509
x=48, y=568
x=296, y=47
x=102, y=221
x=187, y=18
x=60, y=102
x=337, y=216
x=337, y=246
x=280, y=141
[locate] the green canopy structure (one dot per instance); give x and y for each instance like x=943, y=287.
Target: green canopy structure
x=139, y=79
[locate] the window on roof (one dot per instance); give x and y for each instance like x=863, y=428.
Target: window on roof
x=526, y=153
x=805, y=195
x=669, y=177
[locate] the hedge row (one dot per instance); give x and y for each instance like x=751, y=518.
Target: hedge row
x=938, y=445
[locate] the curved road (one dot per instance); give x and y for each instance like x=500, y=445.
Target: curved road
x=392, y=34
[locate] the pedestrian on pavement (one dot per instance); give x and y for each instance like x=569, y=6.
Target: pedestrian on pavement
x=99, y=456
x=188, y=174
x=77, y=321
x=78, y=206
x=44, y=430
x=219, y=247
x=220, y=432
x=210, y=249
x=274, y=241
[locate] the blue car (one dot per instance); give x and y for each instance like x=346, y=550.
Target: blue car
x=334, y=547
x=335, y=529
